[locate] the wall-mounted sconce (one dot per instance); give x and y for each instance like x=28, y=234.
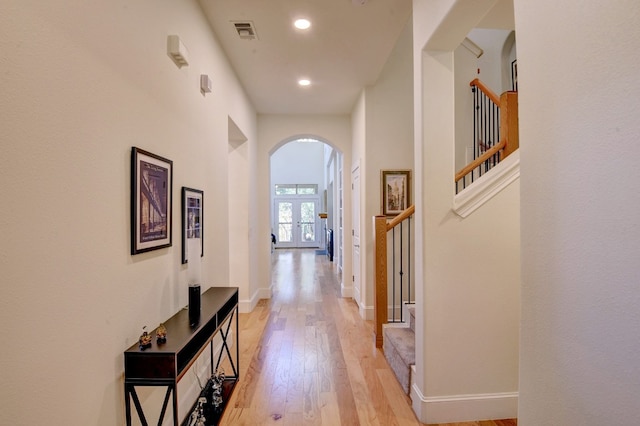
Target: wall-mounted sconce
x=177, y=51
x=205, y=84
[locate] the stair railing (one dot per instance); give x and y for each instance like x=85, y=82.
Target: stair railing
x=495, y=132
x=394, y=251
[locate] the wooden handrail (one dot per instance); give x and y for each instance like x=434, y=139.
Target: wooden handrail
x=508, y=104
x=402, y=216
x=480, y=85
x=478, y=161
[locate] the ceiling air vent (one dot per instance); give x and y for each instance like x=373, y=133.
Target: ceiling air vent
x=246, y=30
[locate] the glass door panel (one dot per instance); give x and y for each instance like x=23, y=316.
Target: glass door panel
x=296, y=222
x=284, y=214
x=307, y=223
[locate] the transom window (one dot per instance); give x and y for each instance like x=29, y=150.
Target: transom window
x=296, y=189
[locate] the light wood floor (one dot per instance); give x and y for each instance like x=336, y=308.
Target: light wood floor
x=307, y=358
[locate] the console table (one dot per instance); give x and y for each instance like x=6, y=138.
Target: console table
x=165, y=364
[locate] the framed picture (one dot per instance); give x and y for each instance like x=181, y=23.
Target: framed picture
x=396, y=190
x=192, y=230
x=151, y=200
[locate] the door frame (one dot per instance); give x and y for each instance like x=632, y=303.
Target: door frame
x=356, y=253
x=296, y=241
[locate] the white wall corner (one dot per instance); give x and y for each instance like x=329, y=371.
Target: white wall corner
x=346, y=292
x=366, y=312
x=486, y=187
x=463, y=408
x=417, y=397
x=246, y=306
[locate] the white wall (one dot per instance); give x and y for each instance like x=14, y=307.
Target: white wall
x=385, y=143
x=299, y=162
x=579, y=132
x=241, y=216
x=81, y=85
x=356, y=197
x=275, y=131
x=465, y=65
x=469, y=269
x=490, y=63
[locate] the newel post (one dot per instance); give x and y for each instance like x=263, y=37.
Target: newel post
x=509, y=122
x=380, y=260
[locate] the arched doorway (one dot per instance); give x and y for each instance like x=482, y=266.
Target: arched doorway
x=306, y=195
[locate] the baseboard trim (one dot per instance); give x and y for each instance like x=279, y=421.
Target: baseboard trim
x=346, y=292
x=366, y=312
x=246, y=306
x=463, y=408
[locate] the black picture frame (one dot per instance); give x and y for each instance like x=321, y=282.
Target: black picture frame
x=151, y=201
x=192, y=220
x=396, y=191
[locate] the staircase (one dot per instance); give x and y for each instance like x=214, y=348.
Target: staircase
x=492, y=143
x=399, y=347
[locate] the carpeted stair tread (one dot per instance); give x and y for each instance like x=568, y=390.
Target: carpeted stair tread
x=404, y=341
x=399, y=350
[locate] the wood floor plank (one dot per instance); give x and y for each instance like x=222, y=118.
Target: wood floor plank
x=295, y=383
x=329, y=409
x=398, y=400
x=311, y=406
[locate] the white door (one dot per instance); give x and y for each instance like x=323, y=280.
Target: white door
x=355, y=203
x=297, y=222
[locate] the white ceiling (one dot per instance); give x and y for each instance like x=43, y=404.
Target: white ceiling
x=344, y=50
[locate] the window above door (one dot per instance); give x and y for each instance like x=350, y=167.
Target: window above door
x=296, y=189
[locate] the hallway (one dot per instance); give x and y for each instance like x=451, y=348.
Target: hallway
x=306, y=356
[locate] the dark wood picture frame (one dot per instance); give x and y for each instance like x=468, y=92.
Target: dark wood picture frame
x=151, y=201
x=192, y=220
x=396, y=191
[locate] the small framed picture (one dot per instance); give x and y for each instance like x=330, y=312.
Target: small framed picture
x=192, y=229
x=151, y=198
x=396, y=190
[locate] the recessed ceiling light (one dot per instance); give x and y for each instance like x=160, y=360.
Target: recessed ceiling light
x=302, y=24
x=304, y=82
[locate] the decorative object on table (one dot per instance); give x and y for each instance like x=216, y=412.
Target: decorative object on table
x=144, y=341
x=192, y=248
x=217, y=380
x=396, y=191
x=151, y=198
x=194, y=304
x=192, y=222
x=197, y=417
x=210, y=402
x=161, y=334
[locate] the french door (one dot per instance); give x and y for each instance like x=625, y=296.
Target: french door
x=297, y=222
